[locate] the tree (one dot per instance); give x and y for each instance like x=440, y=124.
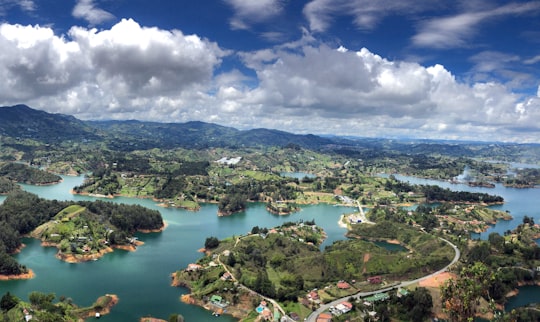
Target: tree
x=41, y=300
x=211, y=242
x=176, y=318
x=420, y=304
x=496, y=240
x=460, y=297
x=8, y=302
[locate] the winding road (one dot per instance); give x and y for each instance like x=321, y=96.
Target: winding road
x=313, y=316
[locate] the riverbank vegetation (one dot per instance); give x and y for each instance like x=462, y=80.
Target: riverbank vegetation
x=46, y=307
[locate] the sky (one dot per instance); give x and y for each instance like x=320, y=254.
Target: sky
x=430, y=69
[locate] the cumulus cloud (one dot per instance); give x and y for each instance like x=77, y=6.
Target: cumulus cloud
x=247, y=12
x=457, y=30
x=87, y=10
x=361, y=91
x=115, y=67
x=134, y=72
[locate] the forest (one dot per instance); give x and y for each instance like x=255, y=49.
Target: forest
x=23, y=173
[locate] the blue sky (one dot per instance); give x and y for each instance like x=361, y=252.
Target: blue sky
x=449, y=69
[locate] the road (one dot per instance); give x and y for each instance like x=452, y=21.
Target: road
x=313, y=316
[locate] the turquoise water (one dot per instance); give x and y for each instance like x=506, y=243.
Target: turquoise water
x=142, y=278
x=527, y=294
x=519, y=203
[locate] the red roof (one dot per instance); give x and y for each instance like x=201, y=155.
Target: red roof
x=324, y=317
x=343, y=285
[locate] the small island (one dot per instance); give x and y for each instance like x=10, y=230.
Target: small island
x=86, y=231
x=81, y=231
x=41, y=307
x=282, y=208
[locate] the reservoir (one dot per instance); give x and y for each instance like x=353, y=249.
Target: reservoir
x=142, y=279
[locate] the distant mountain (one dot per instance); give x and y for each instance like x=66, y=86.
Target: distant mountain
x=21, y=121
x=200, y=135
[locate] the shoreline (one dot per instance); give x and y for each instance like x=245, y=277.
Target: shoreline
x=92, y=310
x=81, y=258
x=25, y=276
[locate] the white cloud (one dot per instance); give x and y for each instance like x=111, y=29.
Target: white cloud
x=87, y=10
x=457, y=30
x=247, y=12
x=365, y=13
x=489, y=61
x=135, y=72
x=124, y=67
x=532, y=60
x=342, y=91
x=25, y=5
x=133, y=60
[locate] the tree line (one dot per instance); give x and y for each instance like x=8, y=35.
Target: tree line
x=19, y=172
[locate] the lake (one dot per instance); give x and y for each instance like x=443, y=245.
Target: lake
x=142, y=278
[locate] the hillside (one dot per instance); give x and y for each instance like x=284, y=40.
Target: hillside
x=22, y=122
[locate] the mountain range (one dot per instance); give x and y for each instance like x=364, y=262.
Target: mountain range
x=23, y=122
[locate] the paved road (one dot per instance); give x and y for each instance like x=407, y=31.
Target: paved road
x=313, y=316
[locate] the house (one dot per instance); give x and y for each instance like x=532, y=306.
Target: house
x=344, y=307
x=226, y=276
x=342, y=285
x=314, y=296
x=375, y=280
x=324, y=317
x=193, y=267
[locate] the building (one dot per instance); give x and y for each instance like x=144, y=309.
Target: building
x=375, y=280
x=193, y=267
x=324, y=317
x=342, y=285
x=344, y=307
x=226, y=276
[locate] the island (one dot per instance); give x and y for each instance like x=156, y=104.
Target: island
x=81, y=231
x=41, y=307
